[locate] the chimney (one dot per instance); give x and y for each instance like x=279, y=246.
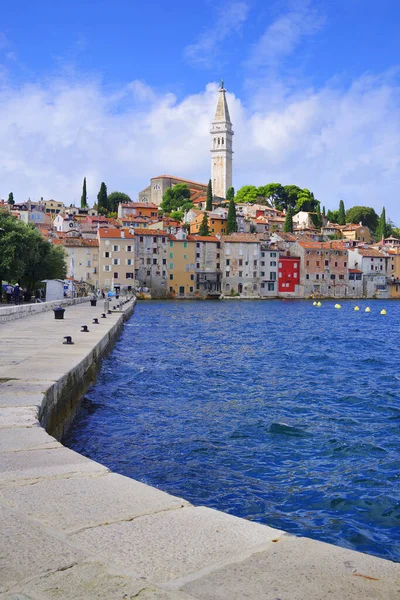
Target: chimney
x=122, y=233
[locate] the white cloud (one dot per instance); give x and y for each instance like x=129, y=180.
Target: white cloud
x=282, y=37
x=340, y=143
x=229, y=21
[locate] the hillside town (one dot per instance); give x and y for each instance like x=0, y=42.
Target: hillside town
x=185, y=239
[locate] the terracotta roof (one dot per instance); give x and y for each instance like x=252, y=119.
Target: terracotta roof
x=178, y=179
x=158, y=232
x=84, y=242
x=369, y=252
x=203, y=238
x=286, y=236
x=138, y=205
x=115, y=233
x=245, y=238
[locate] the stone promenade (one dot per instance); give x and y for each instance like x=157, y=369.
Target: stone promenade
x=71, y=529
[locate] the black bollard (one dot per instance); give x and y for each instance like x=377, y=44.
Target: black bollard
x=68, y=340
x=109, y=312
x=84, y=329
x=95, y=322
x=103, y=316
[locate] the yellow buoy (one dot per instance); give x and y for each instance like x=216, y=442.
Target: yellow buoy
x=314, y=303
x=368, y=309
x=337, y=306
x=356, y=308
x=383, y=311
x=319, y=304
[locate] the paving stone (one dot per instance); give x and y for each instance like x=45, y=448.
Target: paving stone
x=176, y=543
x=34, y=464
x=18, y=417
x=298, y=569
x=25, y=438
x=27, y=550
x=12, y=399
x=71, y=504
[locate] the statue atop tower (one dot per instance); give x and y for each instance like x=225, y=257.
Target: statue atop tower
x=221, y=147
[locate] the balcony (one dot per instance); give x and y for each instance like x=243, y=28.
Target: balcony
x=393, y=280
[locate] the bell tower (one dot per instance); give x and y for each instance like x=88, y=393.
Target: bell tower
x=221, y=147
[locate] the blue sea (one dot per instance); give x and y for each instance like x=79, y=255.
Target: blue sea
x=279, y=412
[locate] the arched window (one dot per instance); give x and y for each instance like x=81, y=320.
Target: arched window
x=219, y=141
x=222, y=141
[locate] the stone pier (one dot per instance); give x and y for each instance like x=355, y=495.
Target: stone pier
x=71, y=529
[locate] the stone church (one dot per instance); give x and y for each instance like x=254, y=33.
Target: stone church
x=221, y=161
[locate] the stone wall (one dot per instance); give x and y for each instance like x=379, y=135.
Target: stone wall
x=20, y=311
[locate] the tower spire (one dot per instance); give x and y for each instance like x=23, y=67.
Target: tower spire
x=221, y=146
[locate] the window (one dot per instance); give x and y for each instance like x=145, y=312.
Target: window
x=128, y=261
x=148, y=261
x=115, y=261
x=255, y=263
x=336, y=264
x=227, y=274
x=271, y=287
x=262, y=274
x=171, y=244
x=254, y=273
x=333, y=276
x=263, y=263
x=327, y=263
x=197, y=254
x=171, y=265
x=307, y=263
x=192, y=277
x=263, y=285
x=129, y=276
x=228, y=260
x=115, y=248
x=307, y=276
x=273, y=254
x=155, y=250
x=197, y=265
x=107, y=268
x=341, y=276
x=240, y=273
x=148, y=273
x=171, y=255
x=317, y=263
x=181, y=289
x=345, y=264
x=191, y=289
x=171, y=276
x=272, y=263
x=317, y=276
x=88, y=263
x=164, y=261
x=154, y=261
x=129, y=248
x=185, y=244
x=295, y=265
x=295, y=275
x=272, y=275
x=171, y=289
x=240, y=262
x=106, y=255
x=185, y=256
x=115, y=275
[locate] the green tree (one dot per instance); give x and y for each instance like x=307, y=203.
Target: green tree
x=323, y=211
x=291, y=195
x=341, y=214
x=382, y=229
x=204, y=228
x=177, y=215
x=316, y=217
x=11, y=200
x=306, y=201
x=363, y=214
x=247, y=193
x=116, y=198
x=176, y=198
x=102, y=200
x=396, y=232
x=274, y=194
x=231, y=223
x=288, y=226
x=332, y=216
x=84, y=195
x=209, y=203
x=230, y=193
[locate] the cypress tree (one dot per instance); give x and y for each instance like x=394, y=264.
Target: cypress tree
x=381, y=231
x=342, y=214
x=231, y=223
x=84, y=195
x=230, y=193
x=323, y=211
x=209, y=206
x=319, y=218
x=102, y=200
x=288, y=226
x=11, y=200
x=204, y=228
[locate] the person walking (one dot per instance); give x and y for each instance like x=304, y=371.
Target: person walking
x=17, y=295
x=9, y=293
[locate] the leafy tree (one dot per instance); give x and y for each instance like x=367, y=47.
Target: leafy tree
x=306, y=201
x=341, y=214
x=382, y=230
x=230, y=193
x=84, y=195
x=176, y=198
x=316, y=217
x=288, y=226
x=209, y=202
x=332, y=216
x=116, y=198
x=362, y=214
x=177, y=215
x=396, y=232
x=291, y=195
x=247, y=193
x=102, y=199
x=274, y=194
x=231, y=223
x=11, y=200
x=204, y=228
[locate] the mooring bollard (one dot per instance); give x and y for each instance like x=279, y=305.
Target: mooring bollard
x=93, y=302
x=84, y=329
x=109, y=312
x=68, y=340
x=59, y=312
x=103, y=316
x=95, y=322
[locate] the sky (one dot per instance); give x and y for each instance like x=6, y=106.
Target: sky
x=120, y=91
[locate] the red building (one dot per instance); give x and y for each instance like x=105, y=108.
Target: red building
x=288, y=274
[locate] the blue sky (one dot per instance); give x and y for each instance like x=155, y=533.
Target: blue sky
x=121, y=91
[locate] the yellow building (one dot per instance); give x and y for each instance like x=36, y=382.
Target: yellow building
x=181, y=267
x=53, y=208
x=394, y=271
x=356, y=232
x=216, y=224
x=116, y=258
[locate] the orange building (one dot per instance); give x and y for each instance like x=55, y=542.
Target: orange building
x=216, y=224
x=181, y=267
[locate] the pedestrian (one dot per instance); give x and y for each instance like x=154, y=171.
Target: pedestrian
x=9, y=293
x=16, y=294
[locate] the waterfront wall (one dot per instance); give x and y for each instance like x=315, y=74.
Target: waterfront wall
x=20, y=311
x=70, y=528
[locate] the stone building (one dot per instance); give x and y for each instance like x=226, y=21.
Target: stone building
x=154, y=192
x=151, y=269
x=241, y=265
x=221, y=147
x=374, y=267
x=116, y=258
x=269, y=261
x=82, y=258
x=208, y=265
